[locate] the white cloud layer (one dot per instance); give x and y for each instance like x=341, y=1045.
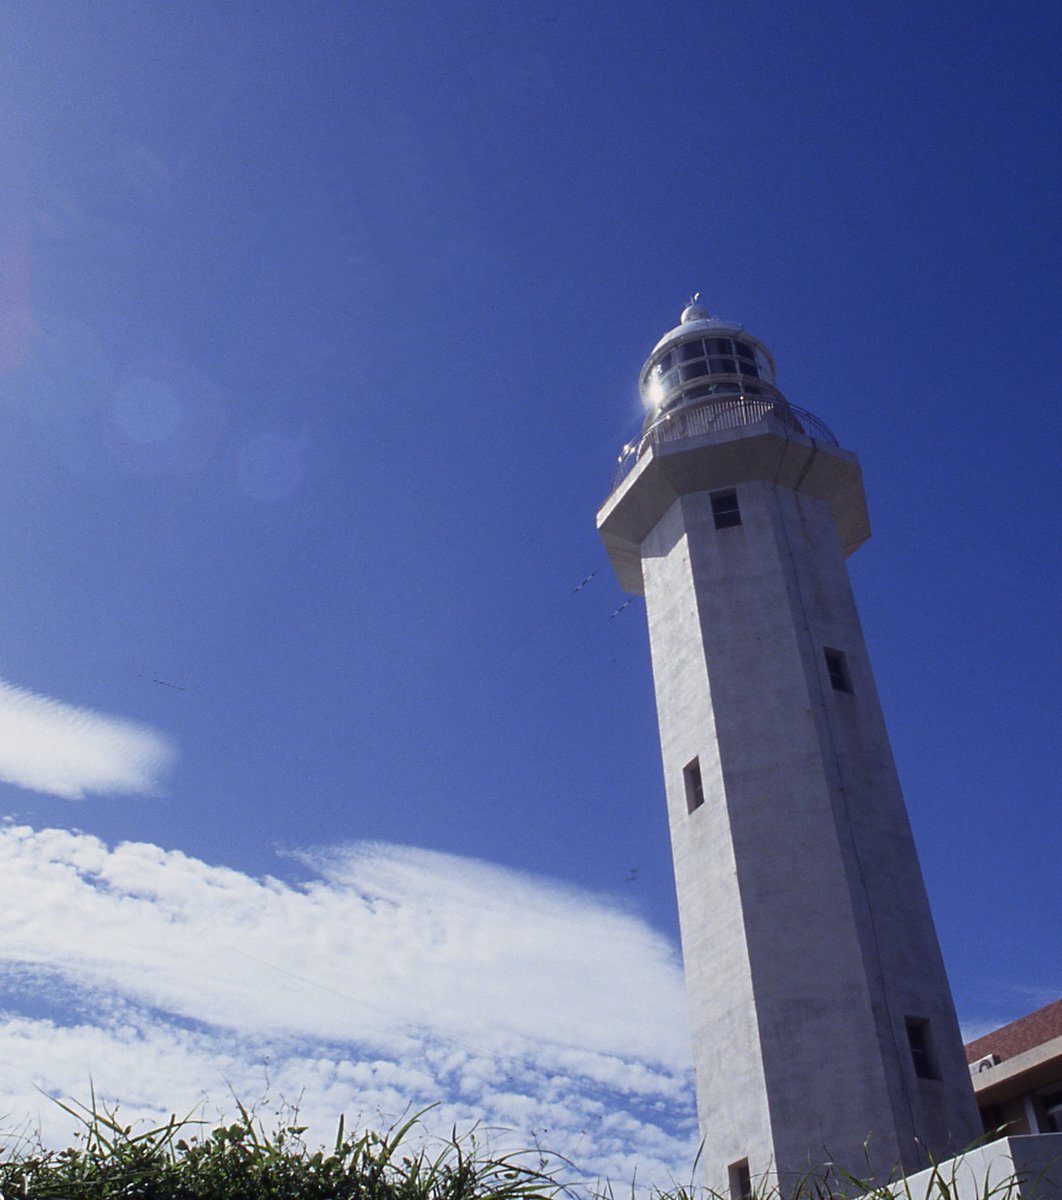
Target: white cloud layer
x=48, y=746
x=393, y=977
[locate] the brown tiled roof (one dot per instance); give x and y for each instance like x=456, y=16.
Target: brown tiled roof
x=1020, y=1035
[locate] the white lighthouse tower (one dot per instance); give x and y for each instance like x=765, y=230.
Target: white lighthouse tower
x=823, y=1025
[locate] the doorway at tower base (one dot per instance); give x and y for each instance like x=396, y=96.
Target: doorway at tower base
x=1026, y=1167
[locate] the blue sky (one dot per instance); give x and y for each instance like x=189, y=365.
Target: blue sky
x=321, y=328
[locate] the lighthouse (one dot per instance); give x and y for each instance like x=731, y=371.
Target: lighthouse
x=824, y=1032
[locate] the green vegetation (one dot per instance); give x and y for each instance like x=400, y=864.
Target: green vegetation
x=243, y=1161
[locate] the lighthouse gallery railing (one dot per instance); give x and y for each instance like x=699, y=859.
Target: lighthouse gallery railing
x=732, y=413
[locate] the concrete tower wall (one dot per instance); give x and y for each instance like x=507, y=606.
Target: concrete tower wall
x=807, y=936
x=732, y=1100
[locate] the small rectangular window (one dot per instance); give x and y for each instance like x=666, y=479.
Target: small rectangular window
x=921, y=1047
x=740, y=1180
x=725, y=510
x=691, y=775
x=837, y=669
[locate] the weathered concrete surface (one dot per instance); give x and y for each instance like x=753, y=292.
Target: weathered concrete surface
x=1012, y=1168
x=766, y=450
x=806, y=931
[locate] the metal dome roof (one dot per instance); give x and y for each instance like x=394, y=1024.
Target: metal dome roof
x=695, y=319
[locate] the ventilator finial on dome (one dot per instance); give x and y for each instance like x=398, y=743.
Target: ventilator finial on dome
x=694, y=311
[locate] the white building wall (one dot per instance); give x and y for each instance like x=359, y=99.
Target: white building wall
x=806, y=932
x=731, y=1092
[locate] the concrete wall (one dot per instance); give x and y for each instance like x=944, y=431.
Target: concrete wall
x=731, y=1094
x=806, y=932
x=1012, y=1168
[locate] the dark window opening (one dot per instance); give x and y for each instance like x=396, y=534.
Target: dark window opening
x=665, y=363
x=837, y=669
x=740, y=1180
x=718, y=345
x=689, y=350
x=723, y=366
x=693, y=369
x=725, y=510
x=745, y=351
x=691, y=776
x=1052, y=1103
x=921, y=1049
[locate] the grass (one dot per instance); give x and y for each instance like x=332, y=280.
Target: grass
x=243, y=1161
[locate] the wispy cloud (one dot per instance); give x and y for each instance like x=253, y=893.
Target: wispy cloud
x=392, y=977
x=48, y=746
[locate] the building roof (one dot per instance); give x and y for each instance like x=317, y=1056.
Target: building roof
x=1023, y=1034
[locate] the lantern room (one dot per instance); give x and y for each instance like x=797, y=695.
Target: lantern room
x=704, y=359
